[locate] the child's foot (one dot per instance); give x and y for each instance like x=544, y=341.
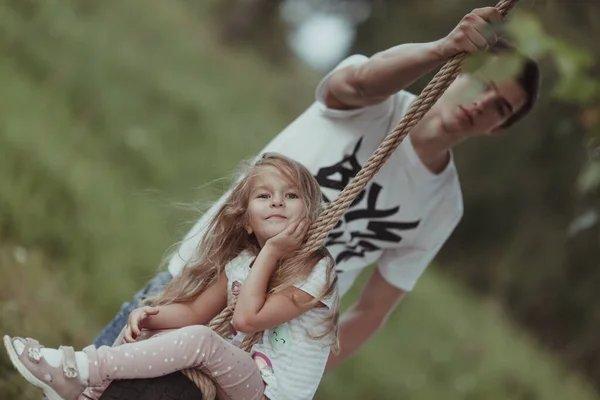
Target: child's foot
x=58, y=383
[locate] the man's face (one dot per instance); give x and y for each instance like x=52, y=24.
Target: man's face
x=472, y=106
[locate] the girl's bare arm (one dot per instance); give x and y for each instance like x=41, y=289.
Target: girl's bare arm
x=198, y=312
x=255, y=311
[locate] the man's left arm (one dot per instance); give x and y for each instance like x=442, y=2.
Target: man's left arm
x=365, y=317
x=397, y=273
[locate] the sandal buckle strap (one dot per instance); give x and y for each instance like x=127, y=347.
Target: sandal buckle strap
x=69, y=363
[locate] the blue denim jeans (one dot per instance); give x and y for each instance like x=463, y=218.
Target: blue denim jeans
x=109, y=334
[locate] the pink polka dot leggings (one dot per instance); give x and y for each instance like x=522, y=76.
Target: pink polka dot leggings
x=165, y=352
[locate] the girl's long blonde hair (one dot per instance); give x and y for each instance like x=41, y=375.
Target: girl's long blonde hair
x=226, y=237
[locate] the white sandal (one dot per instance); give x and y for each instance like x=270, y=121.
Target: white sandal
x=60, y=383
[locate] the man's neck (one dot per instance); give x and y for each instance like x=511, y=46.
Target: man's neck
x=432, y=144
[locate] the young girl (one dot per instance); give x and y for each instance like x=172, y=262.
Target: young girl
x=285, y=314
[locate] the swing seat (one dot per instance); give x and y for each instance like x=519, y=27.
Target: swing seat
x=175, y=386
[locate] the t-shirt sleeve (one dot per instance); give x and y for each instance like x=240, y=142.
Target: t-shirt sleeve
x=316, y=281
x=402, y=267
x=368, y=112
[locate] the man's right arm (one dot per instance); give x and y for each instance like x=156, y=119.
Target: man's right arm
x=382, y=75
x=393, y=70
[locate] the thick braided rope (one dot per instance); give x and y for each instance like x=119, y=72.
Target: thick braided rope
x=203, y=382
x=319, y=230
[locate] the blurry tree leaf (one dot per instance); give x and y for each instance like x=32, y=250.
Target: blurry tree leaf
x=574, y=81
x=594, y=141
x=473, y=62
x=493, y=67
x=527, y=32
x=469, y=94
x=572, y=62
x=583, y=222
x=589, y=179
x=502, y=67
x=486, y=68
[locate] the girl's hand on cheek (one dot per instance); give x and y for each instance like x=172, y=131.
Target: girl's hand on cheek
x=289, y=240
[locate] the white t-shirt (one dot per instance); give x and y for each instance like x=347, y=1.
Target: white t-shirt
x=291, y=362
x=403, y=216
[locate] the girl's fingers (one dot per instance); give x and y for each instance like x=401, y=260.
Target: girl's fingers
x=306, y=225
x=137, y=331
x=295, y=232
x=152, y=311
x=291, y=230
x=302, y=228
x=134, y=327
x=127, y=336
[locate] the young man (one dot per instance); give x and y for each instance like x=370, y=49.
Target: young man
x=407, y=212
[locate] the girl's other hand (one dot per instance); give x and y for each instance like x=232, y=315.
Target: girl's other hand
x=135, y=322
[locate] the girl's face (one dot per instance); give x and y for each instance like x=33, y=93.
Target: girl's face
x=274, y=204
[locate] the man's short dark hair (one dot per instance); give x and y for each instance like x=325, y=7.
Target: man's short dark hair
x=528, y=79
